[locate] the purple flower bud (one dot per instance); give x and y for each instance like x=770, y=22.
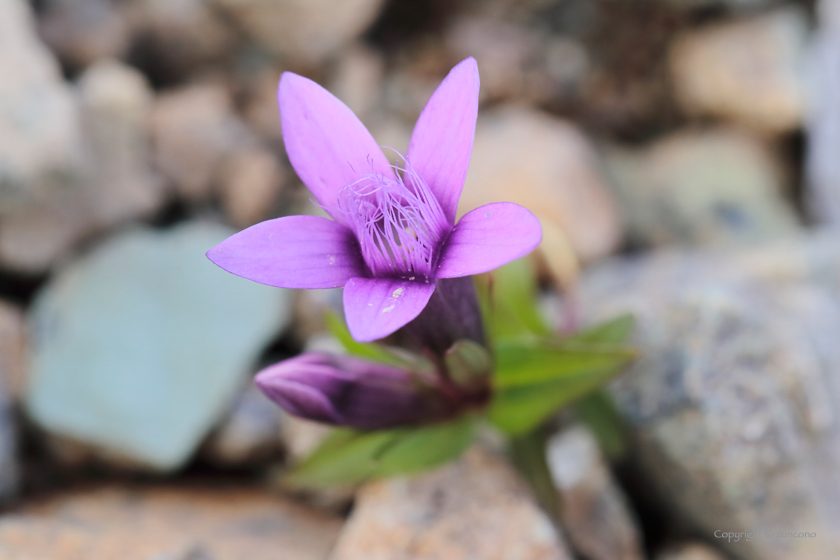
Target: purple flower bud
x=348, y=391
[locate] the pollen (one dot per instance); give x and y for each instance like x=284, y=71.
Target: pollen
x=398, y=221
x=397, y=293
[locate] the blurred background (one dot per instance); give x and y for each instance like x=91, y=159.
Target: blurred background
x=682, y=155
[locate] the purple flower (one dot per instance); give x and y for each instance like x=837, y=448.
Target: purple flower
x=348, y=391
x=393, y=233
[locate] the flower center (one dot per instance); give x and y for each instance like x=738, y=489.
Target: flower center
x=398, y=221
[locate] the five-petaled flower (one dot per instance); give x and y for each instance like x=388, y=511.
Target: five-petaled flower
x=393, y=232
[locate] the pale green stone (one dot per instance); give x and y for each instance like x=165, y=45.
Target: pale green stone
x=138, y=347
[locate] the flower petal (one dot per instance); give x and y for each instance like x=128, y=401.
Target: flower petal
x=488, y=237
x=376, y=307
x=442, y=140
x=292, y=252
x=327, y=144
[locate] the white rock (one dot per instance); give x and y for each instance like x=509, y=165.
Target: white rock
x=39, y=131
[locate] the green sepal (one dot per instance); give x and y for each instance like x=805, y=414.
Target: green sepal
x=369, y=350
x=468, y=363
x=349, y=457
x=509, y=302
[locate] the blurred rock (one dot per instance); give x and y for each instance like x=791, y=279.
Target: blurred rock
x=170, y=524
x=822, y=166
x=310, y=309
x=749, y=71
x=594, y=509
x=690, y=551
x=116, y=104
x=11, y=358
x=474, y=508
x=250, y=182
x=548, y=166
x=250, y=434
x=735, y=5
x=702, y=187
x=81, y=32
x=302, y=437
x=734, y=405
x=172, y=38
x=194, y=127
x=302, y=30
x=357, y=78
x=39, y=144
x=12, y=348
x=519, y=62
x=138, y=348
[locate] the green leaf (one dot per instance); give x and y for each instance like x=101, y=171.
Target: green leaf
x=468, y=363
x=428, y=446
x=517, y=410
x=598, y=412
x=616, y=331
x=522, y=364
x=529, y=456
x=509, y=301
x=371, y=351
x=346, y=457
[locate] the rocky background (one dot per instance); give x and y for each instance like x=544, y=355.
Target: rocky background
x=683, y=155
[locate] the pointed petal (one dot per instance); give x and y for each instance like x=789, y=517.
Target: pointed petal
x=376, y=307
x=442, y=140
x=327, y=144
x=488, y=237
x=292, y=252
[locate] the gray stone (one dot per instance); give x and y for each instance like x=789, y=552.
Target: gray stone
x=251, y=432
x=701, y=187
x=594, y=510
x=303, y=30
x=474, y=508
x=750, y=71
x=823, y=123
x=167, y=524
x=12, y=349
x=138, y=347
x=734, y=405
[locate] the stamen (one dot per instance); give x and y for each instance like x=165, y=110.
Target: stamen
x=398, y=221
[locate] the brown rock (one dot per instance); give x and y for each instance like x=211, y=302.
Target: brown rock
x=250, y=181
x=12, y=343
x=747, y=70
x=548, y=166
x=167, y=523
x=474, y=508
x=304, y=30
x=690, y=551
x=594, y=509
x=357, y=78
x=193, y=129
x=116, y=104
x=84, y=31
